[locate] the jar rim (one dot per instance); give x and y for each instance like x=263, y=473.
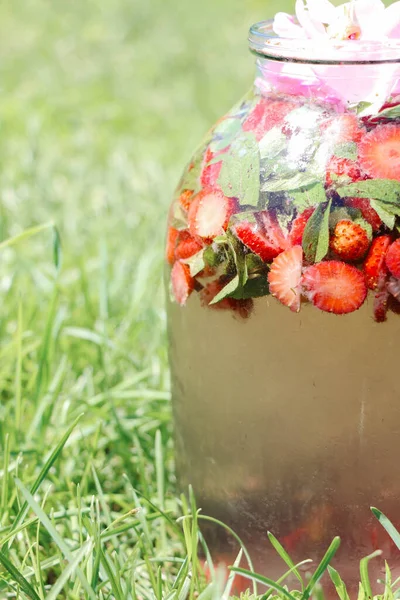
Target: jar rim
x=264, y=43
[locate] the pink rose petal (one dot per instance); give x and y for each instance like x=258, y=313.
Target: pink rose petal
x=321, y=10
x=391, y=21
x=285, y=27
x=312, y=27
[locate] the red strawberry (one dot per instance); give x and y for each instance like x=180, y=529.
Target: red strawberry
x=379, y=152
x=393, y=259
x=209, y=214
x=342, y=167
x=182, y=282
x=349, y=240
x=242, y=307
x=185, y=198
x=267, y=114
x=252, y=237
x=335, y=287
x=285, y=276
x=394, y=287
x=381, y=299
x=187, y=245
x=374, y=264
x=369, y=214
x=343, y=128
x=272, y=231
x=172, y=236
x=298, y=226
x=210, y=173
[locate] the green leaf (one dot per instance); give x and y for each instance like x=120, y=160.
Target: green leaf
x=57, y=248
x=224, y=133
x=393, y=112
x=211, y=257
x=384, y=214
x=343, y=213
x=240, y=172
x=364, y=575
x=196, y=263
x=255, y=287
x=316, y=234
x=264, y=580
x=387, y=190
x=320, y=570
x=272, y=144
x=190, y=179
x=309, y=196
x=229, y=289
x=254, y=263
x=387, y=525
x=338, y=583
x=178, y=217
x=18, y=577
x=293, y=182
x=346, y=150
x=285, y=556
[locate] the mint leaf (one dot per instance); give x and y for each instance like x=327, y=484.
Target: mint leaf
x=346, y=150
x=272, y=144
x=211, y=257
x=366, y=226
x=196, y=263
x=254, y=288
x=392, y=112
x=343, y=213
x=306, y=197
x=227, y=290
x=381, y=208
x=293, y=182
x=254, y=263
x=387, y=190
x=190, y=179
x=240, y=172
x=316, y=234
x=178, y=216
x=224, y=133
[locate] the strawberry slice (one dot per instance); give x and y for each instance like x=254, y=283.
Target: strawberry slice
x=381, y=299
x=369, y=214
x=182, y=282
x=349, y=240
x=342, y=167
x=379, y=152
x=343, y=128
x=243, y=308
x=267, y=114
x=185, y=199
x=374, y=264
x=298, y=227
x=210, y=173
x=187, y=245
x=393, y=259
x=272, y=231
x=253, y=237
x=209, y=214
x=285, y=276
x=335, y=287
x=393, y=287
x=172, y=236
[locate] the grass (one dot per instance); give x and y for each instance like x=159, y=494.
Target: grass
x=101, y=105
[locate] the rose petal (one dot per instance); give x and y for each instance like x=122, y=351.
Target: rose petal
x=284, y=26
x=370, y=17
x=312, y=27
x=391, y=21
x=321, y=10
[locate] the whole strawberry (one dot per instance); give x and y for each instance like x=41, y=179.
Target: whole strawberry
x=349, y=240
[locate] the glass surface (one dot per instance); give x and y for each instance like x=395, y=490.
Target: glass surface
x=283, y=271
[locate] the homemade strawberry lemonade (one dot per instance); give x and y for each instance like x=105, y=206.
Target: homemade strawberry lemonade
x=283, y=252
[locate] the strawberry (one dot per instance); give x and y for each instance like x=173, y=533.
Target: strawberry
x=182, y=282
x=381, y=299
x=369, y=214
x=209, y=214
x=335, y=287
x=393, y=287
x=298, y=227
x=393, y=259
x=185, y=199
x=374, y=264
x=210, y=173
x=272, y=231
x=253, y=237
x=379, y=152
x=187, y=245
x=172, y=236
x=343, y=128
x=267, y=114
x=285, y=276
x=242, y=307
x=342, y=167
x=349, y=240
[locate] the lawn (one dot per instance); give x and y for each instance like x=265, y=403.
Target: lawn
x=101, y=106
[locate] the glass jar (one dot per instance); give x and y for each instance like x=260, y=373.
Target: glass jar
x=283, y=260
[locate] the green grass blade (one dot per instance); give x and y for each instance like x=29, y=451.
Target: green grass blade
x=364, y=575
x=27, y=233
x=285, y=557
x=338, y=583
x=228, y=588
x=44, y=471
x=284, y=576
x=264, y=580
x=44, y=519
x=387, y=525
x=18, y=577
x=69, y=570
x=322, y=567
x=114, y=581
